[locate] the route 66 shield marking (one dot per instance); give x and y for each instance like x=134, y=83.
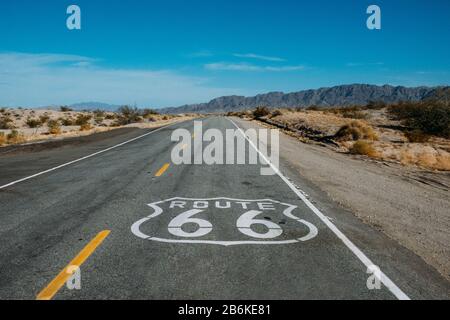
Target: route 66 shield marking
x=223, y=221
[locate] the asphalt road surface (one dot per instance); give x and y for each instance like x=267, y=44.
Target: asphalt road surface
x=141, y=227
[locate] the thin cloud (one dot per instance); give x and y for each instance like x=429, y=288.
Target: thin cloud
x=51, y=79
x=360, y=64
x=200, y=54
x=258, y=57
x=245, y=67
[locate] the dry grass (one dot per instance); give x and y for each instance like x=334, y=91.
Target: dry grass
x=356, y=130
x=3, y=139
x=54, y=127
x=15, y=137
x=427, y=157
x=85, y=127
x=363, y=147
x=417, y=136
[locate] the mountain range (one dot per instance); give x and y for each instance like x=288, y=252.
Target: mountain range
x=344, y=95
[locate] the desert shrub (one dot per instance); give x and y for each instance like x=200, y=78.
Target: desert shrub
x=165, y=118
x=67, y=121
x=276, y=113
x=110, y=116
x=2, y=110
x=260, y=112
x=363, y=147
x=147, y=113
x=85, y=127
x=44, y=118
x=430, y=117
x=417, y=136
x=353, y=114
x=6, y=122
x=33, y=123
x=83, y=119
x=356, y=130
x=313, y=108
x=15, y=137
x=299, y=109
x=65, y=109
x=128, y=115
x=2, y=139
x=99, y=120
x=98, y=113
x=54, y=127
x=375, y=105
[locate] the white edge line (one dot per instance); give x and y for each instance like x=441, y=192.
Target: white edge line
x=86, y=157
x=396, y=291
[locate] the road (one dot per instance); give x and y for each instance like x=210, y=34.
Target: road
x=119, y=188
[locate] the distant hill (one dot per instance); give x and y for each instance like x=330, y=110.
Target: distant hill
x=93, y=106
x=345, y=95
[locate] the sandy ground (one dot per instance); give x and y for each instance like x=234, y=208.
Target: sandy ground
x=390, y=145
x=410, y=205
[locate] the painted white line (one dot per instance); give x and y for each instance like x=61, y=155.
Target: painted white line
x=84, y=158
x=396, y=291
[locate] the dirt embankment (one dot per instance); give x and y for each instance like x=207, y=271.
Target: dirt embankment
x=368, y=132
x=410, y=204
x=20, y=126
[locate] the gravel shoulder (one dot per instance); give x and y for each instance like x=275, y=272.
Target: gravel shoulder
x=409, y=205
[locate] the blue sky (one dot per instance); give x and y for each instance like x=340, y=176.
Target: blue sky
x=172, y=52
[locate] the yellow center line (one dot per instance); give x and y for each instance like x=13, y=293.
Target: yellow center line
x=162, y=170
x=56, y=284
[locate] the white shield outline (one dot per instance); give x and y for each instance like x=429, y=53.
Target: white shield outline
x=135, y=228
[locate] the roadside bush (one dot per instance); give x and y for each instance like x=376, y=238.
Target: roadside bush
x=417, y=136
x=276, y=113
x=83, y=119
x=99, y=120
x=99, y=113
x=430, y=117
x=15, y=137
x=376, y=105
x=33, y=123
x=44, y=118
x=354, y=114
x=128, y=115
x=363, y=147
x=6, y=123
x=260, y=112
x=356, y=130
x=2, y=139
x=65, y=109
x=54, y=127
x=85, y=127
x=147, y=113
x=67, y=121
